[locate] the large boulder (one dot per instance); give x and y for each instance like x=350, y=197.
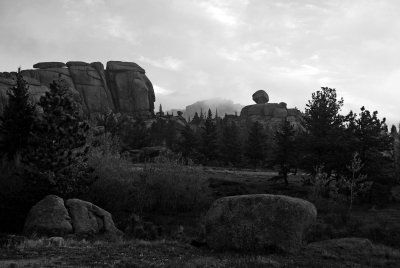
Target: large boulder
x=48, y=217
x=258, y=222
x=53, y=217
x=87, y=218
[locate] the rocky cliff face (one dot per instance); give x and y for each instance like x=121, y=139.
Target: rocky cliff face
x=122, y=87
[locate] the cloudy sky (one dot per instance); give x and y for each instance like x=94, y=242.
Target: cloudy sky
x=201, y=49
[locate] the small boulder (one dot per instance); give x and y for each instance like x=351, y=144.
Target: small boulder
x=89, y=219
x=48, y=217
x=260, y=96
x=47, y=65
x=259, y=222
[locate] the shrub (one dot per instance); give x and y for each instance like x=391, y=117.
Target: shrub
x=164, y=186
x=114, y=173
x=169, y=187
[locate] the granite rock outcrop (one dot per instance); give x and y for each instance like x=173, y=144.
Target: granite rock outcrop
x=122, y=87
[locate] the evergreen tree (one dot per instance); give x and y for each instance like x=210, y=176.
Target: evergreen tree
x=373, y=143
x=17, y=120
x=285, y=151
x=325, y=143
x=201, y=114
x=158, y=132
x=160, y=111
x=209, y=139
x=196, y=119
x=396, y=151
x=56, y=161
x=256, y=145
x=171, y=135
x=135, y=135
x=231, y=150
x=188, y=143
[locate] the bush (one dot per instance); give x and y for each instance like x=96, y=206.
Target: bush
x=114, y=173
x=169, y=187
x=165, y=186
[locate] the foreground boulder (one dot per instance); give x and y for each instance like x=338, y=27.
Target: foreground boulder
x=260, y=222
x=48, y=217
x=53, y=217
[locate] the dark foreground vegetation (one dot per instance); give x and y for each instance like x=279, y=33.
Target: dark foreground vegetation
x=347, y=165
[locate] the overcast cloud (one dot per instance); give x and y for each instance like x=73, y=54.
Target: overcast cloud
x=194, y=50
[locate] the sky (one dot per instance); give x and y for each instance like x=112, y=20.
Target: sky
x=195, y=50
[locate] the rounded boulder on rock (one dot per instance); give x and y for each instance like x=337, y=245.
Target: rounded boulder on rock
x=48, y=217
x=260, y=96
x=259, y=222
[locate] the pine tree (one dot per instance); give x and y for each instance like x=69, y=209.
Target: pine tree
x=201, y=114
x=324, y=143
x=373, y=141
x=196, y=119
x=160, y=111
x=56, y=161
x=285, y=153
x=256, y=145
x=231, y=150
x=209, y=139
x=188, y=143
x=157, y=132
x=135, y=135
x=396, y=151
x=17, y=120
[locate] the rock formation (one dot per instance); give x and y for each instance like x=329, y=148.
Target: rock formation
x=53, y=217
x=121, y=87
x=258, y=222
x=270, y=115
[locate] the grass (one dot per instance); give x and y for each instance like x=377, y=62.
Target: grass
x=167, y=253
